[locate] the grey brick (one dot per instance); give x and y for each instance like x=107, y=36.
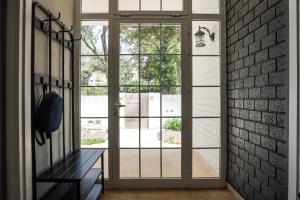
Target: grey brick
x=255, y=115
x=281, y=120
x=244, y=73
x=262, y=80
x=277, y=50
x=268, y=15
x=278, y=161
x=268, y=143
x=282, y=148
x=269, y=66
x=254, y=161
x=261, y=128
x=261, y=153
x=249, y=17
x=254, y=24
x=254, y=93
x=276, y=23
x=262, y=7
x=250, y=126
x=262, y=56
x=253, y=3
x=244, y=114
x=249, y=104
x=254, y=138
x=277, y=78
x=281, y=92
x=244, y=135
x=268, y=92
x=281, y=63
x=255, y=70
x=277, y=105
x=254, y=47
x=249, y=60
x=268, y=40
x=248, y=39
x=250, y=147
x=238, y=84
x=261, y=32
x=278, y=133
x=244, y=93
x=269, y=118
x=261, y=105
x=243, y=32
x=268, y=169
x=249, y=82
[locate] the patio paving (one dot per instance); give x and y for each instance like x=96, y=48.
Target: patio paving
x=150, y=159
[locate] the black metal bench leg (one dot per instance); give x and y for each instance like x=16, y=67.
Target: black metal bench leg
x=102, y=178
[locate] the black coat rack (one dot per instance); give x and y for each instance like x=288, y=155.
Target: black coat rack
x=47, y=80
x=75, y=175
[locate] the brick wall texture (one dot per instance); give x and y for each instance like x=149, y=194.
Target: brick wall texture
x=257, y=97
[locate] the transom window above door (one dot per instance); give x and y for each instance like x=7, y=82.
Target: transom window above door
x=103, y=6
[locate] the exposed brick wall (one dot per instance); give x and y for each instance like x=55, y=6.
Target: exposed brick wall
x=257, y=70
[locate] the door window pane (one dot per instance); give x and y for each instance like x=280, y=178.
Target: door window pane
x=129, y=70
x=171, y=101
x=206, y=133
x=206, y=71
x=94, y=70
x=150, y=163
x=171, y=163
x=171, y=132
x=150, y=101
x=206, y=163
x=94, y=6
x=129, y=39
x=150, y=132
x=206, y=102
x=150, y=70
x=94, y=102
x=129, y=5
x=129, y=99
x=172, y=5
x=129, y=163
x=170, y=70
x=94, y=133
x=150, y=38
x=94, y=38
x=129, y=133
x=171, y=37
x=206, y=7
x=211, y=47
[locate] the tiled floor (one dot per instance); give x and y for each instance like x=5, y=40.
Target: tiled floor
x=168, y=194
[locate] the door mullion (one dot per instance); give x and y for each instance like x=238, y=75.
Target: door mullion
x=113, y=96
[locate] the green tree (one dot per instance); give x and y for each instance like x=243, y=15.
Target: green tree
x=159, y=63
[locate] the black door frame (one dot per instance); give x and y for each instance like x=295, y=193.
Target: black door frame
x=2, y=99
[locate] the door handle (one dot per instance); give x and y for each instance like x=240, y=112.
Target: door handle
x=118, y=105
x=117, y=108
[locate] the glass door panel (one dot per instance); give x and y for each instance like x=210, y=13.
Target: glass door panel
x=206, y=98
x=149, y=107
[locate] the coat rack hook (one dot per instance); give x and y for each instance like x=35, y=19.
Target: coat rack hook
x=58, y=17
x=78, y=39
x=71, y=28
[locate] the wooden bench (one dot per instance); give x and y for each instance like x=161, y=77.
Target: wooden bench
x=75, y=176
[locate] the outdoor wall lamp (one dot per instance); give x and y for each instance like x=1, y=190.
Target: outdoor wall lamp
x=200, y=34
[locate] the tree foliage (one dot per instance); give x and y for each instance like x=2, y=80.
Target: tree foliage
x=158, y=65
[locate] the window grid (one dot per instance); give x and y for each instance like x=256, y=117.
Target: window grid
x=140, y=117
